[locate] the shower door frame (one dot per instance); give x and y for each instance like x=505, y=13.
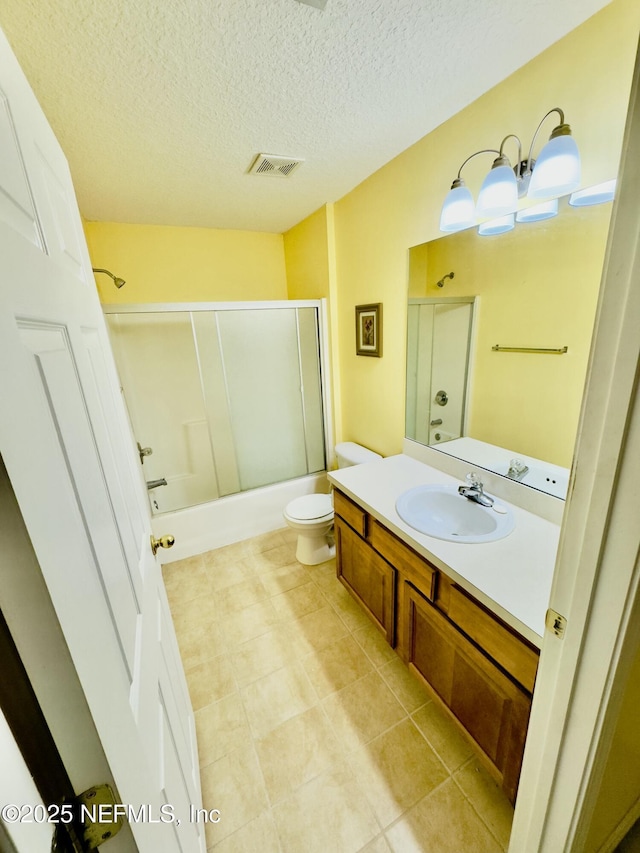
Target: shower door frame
x=261, y=305
x=471, y=349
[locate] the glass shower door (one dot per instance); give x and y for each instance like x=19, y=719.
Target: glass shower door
x=261, y=384
x=438, y=348
x=229, y=398
x=158, y=370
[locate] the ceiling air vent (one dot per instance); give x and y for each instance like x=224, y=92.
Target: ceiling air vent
x=275, y=165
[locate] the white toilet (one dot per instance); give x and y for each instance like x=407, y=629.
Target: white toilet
x=312, y=515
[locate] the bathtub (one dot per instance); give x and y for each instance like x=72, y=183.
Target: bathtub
x=233, y=518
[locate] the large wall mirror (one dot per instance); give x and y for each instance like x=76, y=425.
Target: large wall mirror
x=533, y=288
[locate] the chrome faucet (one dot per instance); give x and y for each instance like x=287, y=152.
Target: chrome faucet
x=153, y=484
x=474, y=490
x=517, y=469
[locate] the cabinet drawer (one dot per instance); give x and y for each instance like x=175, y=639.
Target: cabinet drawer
x=411, y=565
x=352, y=513
x=498, y=641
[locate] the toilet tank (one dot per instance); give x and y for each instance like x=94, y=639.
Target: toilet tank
x=349, y=453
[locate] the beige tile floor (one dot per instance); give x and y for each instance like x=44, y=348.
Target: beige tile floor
x=312, y=734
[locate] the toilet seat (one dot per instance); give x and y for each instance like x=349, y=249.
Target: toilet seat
x=310, y=508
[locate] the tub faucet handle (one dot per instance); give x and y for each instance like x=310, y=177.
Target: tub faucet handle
x=143, y=451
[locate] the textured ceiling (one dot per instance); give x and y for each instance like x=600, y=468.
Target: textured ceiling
x=162, y=105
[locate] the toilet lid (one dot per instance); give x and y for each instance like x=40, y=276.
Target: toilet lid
x=309, y=507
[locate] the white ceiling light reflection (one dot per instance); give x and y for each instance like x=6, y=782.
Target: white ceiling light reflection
x=497, y=226
x=545, y=210
x=598, y=194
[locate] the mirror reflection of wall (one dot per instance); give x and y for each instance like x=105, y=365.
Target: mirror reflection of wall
x=537, y=286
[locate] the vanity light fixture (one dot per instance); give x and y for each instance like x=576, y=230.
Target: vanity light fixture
x=496, y=226
x=459, y=210
x=556, y=172
x=557, y=169
x=544, y=210
x=499, y=190
x=598, y=194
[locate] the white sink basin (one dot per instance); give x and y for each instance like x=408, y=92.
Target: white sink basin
x=441, y=512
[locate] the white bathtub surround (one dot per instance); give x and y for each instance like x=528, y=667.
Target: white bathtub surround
x=512, y=576
x=232, y=519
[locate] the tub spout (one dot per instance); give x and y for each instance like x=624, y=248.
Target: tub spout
x=153, y=484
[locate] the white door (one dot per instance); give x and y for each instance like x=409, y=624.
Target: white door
x=65, y=442
x=451, y=332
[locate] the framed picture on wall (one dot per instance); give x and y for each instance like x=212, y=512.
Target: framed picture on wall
x=369, y=329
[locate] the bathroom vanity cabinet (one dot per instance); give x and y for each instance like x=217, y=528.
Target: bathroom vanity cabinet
x=474, y=665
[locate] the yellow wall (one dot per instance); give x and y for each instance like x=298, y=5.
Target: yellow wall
x=537, y=286
x=588, y=74
x=311, y=274
x=356, y=251
x=173, y=264
x=620, y=786
x=306, y=251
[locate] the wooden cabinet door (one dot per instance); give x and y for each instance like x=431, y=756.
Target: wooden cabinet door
x=483, y=699
x=367, y=576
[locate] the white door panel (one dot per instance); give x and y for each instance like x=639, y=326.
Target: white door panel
x=190, y=835
x=172, y=683
x=103, y=415
x=63, y=403
x=59, y=217
x=17, y=208
x=68, y=451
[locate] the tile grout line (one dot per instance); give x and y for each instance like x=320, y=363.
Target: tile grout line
x=473, y=805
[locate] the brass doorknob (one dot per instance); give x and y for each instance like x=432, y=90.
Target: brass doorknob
x=166, y=541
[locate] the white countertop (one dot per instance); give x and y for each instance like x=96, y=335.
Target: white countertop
x=512, y=576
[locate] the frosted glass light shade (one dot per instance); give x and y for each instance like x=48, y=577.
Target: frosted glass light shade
x=458, y=210
x=557, y=169
x=598, y=194
x=499, y=192
x=497, y=226
x=544, y=210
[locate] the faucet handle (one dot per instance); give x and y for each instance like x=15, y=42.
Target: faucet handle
x=473, y=480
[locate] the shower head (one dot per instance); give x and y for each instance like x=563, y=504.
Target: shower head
x=442, y=280
x=117, y=281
